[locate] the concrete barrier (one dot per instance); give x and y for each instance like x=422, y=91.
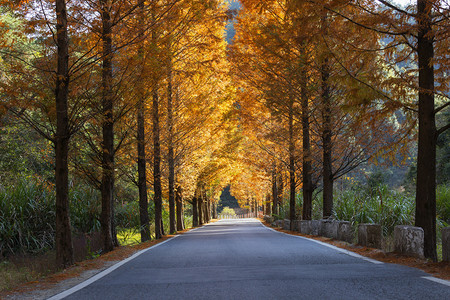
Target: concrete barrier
x=305, y=227
x=279, y=223
x=329, y=228
x=315, y=227
x=287, y=224
x=446, y=244
x=345, y=232
x=369, y=235
x=408, y=240
x=296, y=225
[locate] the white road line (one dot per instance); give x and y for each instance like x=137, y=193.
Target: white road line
x=350, y=253
x=438, y=280
x=102, y=274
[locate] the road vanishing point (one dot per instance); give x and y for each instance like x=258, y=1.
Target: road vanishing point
x=242, y=259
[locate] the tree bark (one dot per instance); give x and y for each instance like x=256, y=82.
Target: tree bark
x=141, y=145
x=274, y=192
x=326, y=142
x=179, y=207
x=107, y=185
x=306, y=146
x=426, y=156
x=280, y=189
x=268, y=206
x=171, y=160
x=291, y=165
x=157, y=167
x=142, y=173
x=64, y=248
x=214, y=210
x=200, y=209
x=195, y=211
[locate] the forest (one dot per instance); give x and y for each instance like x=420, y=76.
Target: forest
x=130, y=117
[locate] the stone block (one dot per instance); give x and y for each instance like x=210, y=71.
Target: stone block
x=408, y=240
x=279, y=223
x=287, y=224
x=345, y=232
x=369, y=235
x=446, y=244
x=296, y=225
x=305, y=227
x=315, y=227
x=329, y=228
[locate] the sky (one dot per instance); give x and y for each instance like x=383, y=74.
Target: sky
x=402, y=2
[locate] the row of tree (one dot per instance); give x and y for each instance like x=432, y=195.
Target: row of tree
x=119, y=85
x=325, y=86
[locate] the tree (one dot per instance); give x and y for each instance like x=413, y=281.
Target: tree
x=417, y=38
x=141, y=136
x=64, y=248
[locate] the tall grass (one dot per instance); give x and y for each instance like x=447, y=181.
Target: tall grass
x=27, y=217
x=379, y=205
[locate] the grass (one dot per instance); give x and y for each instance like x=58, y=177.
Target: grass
x=128, y=237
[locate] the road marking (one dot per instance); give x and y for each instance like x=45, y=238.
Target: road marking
x=438, y=280
x=102, y=274
x=350, y=253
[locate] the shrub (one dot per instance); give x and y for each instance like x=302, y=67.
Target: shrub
x=127, y=214
x=443, y=203
x=85, y=208
x=227, y=212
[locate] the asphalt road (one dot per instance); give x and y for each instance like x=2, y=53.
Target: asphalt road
x=242, y=259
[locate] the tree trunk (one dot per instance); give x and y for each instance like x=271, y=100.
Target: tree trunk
x=214, y=210
x=141, y=143
x=64, y=248
x=171, y=161
x=426, y=156
x=274, y=192
x=208, y=216
x=200, y=209
x=107, y=185
x=179, y=202
x=157, y=167
x=280, y=189
x=306, y=147
x=142, y=173
x=195, y=211
x=268, y=206
x=291, y=165
x=326, y=142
